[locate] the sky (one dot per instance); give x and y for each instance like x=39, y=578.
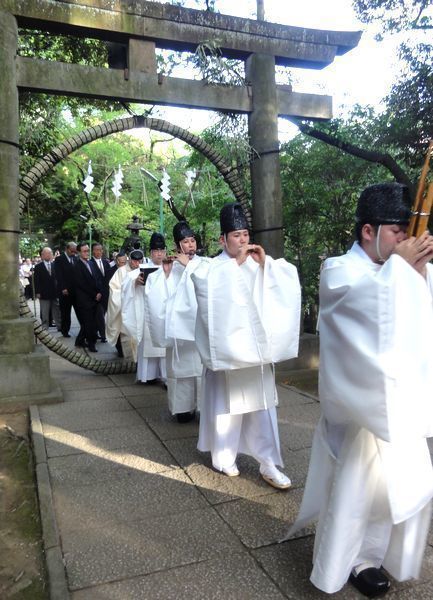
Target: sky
x=362, y=76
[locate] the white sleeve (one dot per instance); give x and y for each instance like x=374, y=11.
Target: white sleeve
x=277, y=294
x=376, y=364
x=132, y=306
x=157, y=294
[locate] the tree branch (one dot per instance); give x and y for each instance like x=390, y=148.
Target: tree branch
x=381, y=158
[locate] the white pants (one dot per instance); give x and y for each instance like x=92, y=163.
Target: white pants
x=225, y=435
x=149, y=369
x=183, y=394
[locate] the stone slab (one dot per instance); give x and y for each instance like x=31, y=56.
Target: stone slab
x=296, y=464
x=262, y=520
x=122, y=380
x=58, y=585
x=296, y=425
x=290, y=396
x=95, y=441
x=88, y=381
x=186, y=454
x=76, y=416
x=300, y=414
x=84, y=469
x=95, y=394
x=158, y=400
x=213, y=579
x=296, y=435
x=147, y=546
x=166, y=426
x=218, y=488
x=140, y=495
x=289, y=566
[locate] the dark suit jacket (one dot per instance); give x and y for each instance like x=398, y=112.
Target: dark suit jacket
x=104, y=280
x=86, y=284
x=64, y=274
x=45, y=284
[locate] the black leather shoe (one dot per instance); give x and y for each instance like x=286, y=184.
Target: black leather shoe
x=103, y=340
x=185, y=417
x=66, y=335
x=370, y=582
x=92, y=348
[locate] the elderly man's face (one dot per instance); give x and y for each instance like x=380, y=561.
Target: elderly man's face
x=47, y=254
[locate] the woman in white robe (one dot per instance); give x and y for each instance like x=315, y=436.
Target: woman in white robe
x=370, y=478
x=171, y=306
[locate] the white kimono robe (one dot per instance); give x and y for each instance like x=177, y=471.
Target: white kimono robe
x=114, y=326
x=370, y=478
x=172, y=308
x=247, y=319
x=150, y=358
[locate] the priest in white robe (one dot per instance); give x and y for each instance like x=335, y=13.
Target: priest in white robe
x=248, y=319
x=150, y=359
x=114, y=329
x=171, y=305
x=370, y=479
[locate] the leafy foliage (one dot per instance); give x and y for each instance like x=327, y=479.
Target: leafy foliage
x=396, y=15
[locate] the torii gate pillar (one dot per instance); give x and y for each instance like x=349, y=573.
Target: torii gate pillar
x=265, y=167
x=24, y=370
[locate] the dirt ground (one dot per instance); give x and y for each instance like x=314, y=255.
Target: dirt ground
x=22, y=575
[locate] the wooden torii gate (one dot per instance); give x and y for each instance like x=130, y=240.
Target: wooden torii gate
x=142, y=27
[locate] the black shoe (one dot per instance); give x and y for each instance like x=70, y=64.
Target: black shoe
x=92, y=348
x=185, y=417
x=120, y=354
x=103, y=340
x=370, y=582
x=66, y=335
x=81, y=344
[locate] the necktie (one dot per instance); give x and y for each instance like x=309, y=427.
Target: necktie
x=48, y=267
x=101, y=266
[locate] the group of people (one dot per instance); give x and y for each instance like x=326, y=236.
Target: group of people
x=212, y=329
x=74, y=280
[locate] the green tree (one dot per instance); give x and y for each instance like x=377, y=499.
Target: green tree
x=409, y=105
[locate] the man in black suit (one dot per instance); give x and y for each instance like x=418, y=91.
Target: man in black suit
x=102, y=268
x=88, y=293
x=46, y=288
x=64, y=267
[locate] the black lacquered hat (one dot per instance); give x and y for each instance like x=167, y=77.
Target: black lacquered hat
x=136, y=255
x=157, y=241
x=181, y=231
x=232, y=218
x=384, y=204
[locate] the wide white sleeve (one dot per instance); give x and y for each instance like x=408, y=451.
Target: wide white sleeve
x=376, y=367
x=114, y=316
x=132, y=306
x=182, y=309
x=157, y=293
x=277, y=295
x=229, y=331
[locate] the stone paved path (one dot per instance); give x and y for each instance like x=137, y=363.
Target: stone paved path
x=131, y=510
